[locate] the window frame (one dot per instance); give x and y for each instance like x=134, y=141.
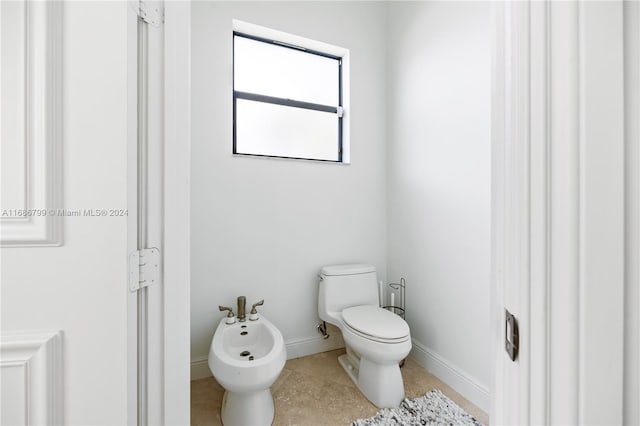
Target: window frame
x=255, y=97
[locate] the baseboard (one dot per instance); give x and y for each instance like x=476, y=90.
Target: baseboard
x=465, y=384
x=313, y=345
x=296, y=348
x=200, y=368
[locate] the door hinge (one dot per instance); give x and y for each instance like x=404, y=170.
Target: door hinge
x=340, y=111
x=144, y=268
x=151, y=12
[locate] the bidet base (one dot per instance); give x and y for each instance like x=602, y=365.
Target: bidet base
x=244, y=409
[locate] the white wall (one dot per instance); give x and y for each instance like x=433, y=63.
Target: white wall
x=81, y=287
x=263, y=227
x=439, y=178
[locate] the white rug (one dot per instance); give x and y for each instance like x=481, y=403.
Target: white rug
x=431, y=409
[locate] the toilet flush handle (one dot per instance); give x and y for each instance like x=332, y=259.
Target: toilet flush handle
x=253, y=315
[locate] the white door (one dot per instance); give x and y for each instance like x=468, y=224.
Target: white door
x=73, y=348
x=64, y=194
x=559, y=208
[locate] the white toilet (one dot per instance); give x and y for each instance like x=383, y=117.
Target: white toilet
x=376, y=339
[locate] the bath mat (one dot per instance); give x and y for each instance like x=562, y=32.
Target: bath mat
x=431, y=409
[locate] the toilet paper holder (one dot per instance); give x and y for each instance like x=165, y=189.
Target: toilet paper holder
x=401, y=288
x=397, y=308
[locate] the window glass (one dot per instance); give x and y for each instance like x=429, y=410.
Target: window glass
x=287, y=101
x=274, y=70
x=282, y=131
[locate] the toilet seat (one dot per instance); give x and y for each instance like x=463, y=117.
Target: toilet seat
x=375, y=323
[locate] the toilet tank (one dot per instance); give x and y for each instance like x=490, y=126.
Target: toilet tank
x=343, y=286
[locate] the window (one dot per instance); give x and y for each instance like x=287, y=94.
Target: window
x=287, y=100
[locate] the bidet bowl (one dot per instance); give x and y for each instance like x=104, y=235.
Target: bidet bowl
x=246, y=358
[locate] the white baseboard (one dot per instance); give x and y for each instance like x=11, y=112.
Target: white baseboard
x=200, y=368
x=296, y=348
x=314, y=345
x=465, y=384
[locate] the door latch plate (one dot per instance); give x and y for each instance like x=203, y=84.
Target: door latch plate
x=511, y=337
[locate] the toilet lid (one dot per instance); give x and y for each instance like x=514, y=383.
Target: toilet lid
x=376, y=322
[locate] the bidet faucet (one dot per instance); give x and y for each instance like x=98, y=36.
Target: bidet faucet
x=242, y=302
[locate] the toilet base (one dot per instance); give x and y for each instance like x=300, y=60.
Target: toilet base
x=381, y=383
x=244, y=409
x=350, y=365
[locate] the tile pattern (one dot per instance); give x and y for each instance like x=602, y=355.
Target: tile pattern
x=315, y=390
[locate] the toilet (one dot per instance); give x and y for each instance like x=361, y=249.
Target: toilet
x=376, y=339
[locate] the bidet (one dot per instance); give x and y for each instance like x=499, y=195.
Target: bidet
x=246, y=358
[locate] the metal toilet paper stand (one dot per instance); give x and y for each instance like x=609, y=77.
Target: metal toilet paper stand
x=400, y=310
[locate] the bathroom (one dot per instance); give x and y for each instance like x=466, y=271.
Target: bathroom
x=490, y=161
x=414, y=199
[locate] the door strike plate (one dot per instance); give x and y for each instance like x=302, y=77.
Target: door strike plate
x=511, y=338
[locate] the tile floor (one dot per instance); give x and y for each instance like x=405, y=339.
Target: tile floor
x=315, y=390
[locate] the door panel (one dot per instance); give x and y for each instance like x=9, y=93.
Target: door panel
x=558, y=211
x=79, y=287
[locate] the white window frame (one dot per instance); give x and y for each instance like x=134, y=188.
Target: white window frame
x=256, y=32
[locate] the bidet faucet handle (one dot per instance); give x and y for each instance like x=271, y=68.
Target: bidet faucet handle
x=253, y=315
x=224, y=308
x=253, y=307
x=231, y=318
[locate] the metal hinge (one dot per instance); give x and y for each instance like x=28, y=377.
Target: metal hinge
x=144, y=268
x=340, y=111
x=151, y=12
